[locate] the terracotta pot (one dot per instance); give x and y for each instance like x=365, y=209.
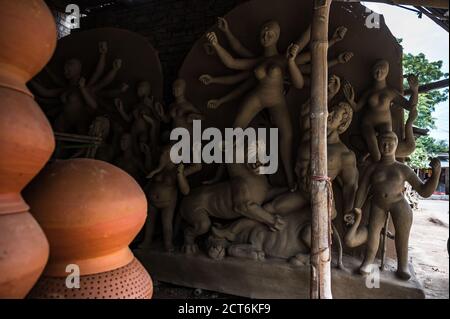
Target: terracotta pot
x=129, y=282
x=90, y=211
x=23, y=254
x=27, y=40
x=26, y=140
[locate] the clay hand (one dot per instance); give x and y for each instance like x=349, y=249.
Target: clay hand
x=278, y=224
x=340, y=33
x=124, y=87
x=435, y=164
x=206, y=79
x=82, y=83
x=345, y=57
x=413, y=82
x=144, y=148
x=214, y=104
x=292, y=51
x=117, y=64
x=103, y=47
x=349, y=93
x=222, y=24
x=334, y=84
x=212, y=38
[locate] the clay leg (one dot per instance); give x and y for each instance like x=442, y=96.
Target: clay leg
x=282, y=120
x=402, y=218
x=200, y=223
x=149, y=229
x=167, y=222
x=370, y=137
x=256, y=212
x=247, y=111
x=246, y=251
x=286, y=203
x=376, y=223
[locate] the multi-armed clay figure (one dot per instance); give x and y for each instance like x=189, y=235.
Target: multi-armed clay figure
x=265, y=84
x=377, y=102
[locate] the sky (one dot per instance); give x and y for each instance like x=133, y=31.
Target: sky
x=420, y=36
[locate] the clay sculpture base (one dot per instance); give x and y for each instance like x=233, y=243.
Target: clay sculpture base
x=128, y=282
x=270, y=279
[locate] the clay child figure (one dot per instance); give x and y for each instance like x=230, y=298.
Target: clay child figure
x=129, y=162
x=162, y=193
x=145, y=117
x=385, y=182
x=182, y=112
x=377, y=117
x=269, y=70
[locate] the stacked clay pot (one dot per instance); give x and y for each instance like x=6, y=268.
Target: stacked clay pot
x=27, y=41
x=90, y=211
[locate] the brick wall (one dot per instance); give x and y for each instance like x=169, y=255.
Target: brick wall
x=171, y=26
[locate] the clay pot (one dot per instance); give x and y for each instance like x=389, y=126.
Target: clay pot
x=129, y=282
x=27, y=41
x=90, y=211
x=23, y=254
x=26, y=140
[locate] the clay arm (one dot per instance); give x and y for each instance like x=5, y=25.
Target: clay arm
x=100, y=68
x=408, y=145
x=207, y=79
x=236, y=93
x=119, y=106
x=115, y=92
x=349, y=177
x=192, y=169
x=55, y=79
x=87, y=96
x=341, y=59
x=349, y=93
x=296, y=75
x=183, y=183
x=364, y=187
x=425, y=189
x=109, y=77
x=414, y=98
x=43, y=91
x=235, y=44
x=226, y=58
x=356, y=235
x=163, y=161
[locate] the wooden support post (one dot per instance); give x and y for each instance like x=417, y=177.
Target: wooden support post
x=320, y=285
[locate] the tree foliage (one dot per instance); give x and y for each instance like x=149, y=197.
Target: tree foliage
x=427, y=72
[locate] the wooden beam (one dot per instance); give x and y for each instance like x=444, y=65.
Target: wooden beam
x=441, y=4
x=320, y=285
x=431, y=86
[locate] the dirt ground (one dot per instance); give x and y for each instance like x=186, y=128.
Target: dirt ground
x=428, y=247
x=428, y=253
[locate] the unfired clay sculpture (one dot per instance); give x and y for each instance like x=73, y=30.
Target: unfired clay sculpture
x=269, y=70
x=78, y=95
x=385, y=181
x=377, y=117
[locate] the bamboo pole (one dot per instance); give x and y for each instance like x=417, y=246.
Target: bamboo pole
x=320, y=284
